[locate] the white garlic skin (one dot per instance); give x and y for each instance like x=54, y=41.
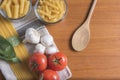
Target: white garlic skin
x=40, y=48
x=51, y=50
x=32, y=36
x=47, y=40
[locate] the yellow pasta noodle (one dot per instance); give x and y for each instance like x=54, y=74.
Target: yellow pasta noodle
x=3, y=4
x=15, y=8
x=44, y=13
x=20, y=70
x=2, y=32
x=15, y=11
x=22, y=3
x=26, y=8
x=62, y=5
x=15, y=2
x=51, y=5
x=51, y=10
x=46, y=8
x=59, y=5
x=8, y=9
x=55, y=12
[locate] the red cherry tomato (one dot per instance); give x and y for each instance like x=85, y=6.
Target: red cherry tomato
x=49, y=75
x=57, y=61
x=38, y=62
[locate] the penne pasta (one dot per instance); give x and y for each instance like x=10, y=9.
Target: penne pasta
x=46, y=9
x=44, y=13
x=15, y=11
x=26, y=8
x=15, y=2
x=49, y=4
x=59, y=5
x=51, y=10
x=22, y=3
x=8, y=9
x=3, y=4
x=15, y=8
x=62, y=6
x=55, y=12
x=50, y=0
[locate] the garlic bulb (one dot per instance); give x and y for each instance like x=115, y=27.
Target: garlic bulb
x=40, y=48
x=51, y=50
x=47, y=40
x=32, y=36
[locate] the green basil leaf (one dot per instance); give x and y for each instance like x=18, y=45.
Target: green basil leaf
x=15, y=59
x=7, y=51
x=14, y=41
x=6, y=48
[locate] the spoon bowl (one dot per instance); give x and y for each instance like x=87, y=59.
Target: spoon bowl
x=81, y=36
x=82, y=40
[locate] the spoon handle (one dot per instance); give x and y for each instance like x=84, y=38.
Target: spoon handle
x=91, y=10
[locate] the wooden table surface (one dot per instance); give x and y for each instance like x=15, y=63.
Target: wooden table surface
x=101, y=58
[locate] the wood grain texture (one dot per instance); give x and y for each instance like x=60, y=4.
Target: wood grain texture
x=101, y=59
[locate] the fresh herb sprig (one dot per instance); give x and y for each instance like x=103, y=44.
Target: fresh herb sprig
x=7, y=52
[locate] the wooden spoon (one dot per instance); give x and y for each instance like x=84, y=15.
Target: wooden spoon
x=81, y=36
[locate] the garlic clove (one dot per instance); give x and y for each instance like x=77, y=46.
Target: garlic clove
x=51, y=50
x=40, y=48
x=47, y=40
